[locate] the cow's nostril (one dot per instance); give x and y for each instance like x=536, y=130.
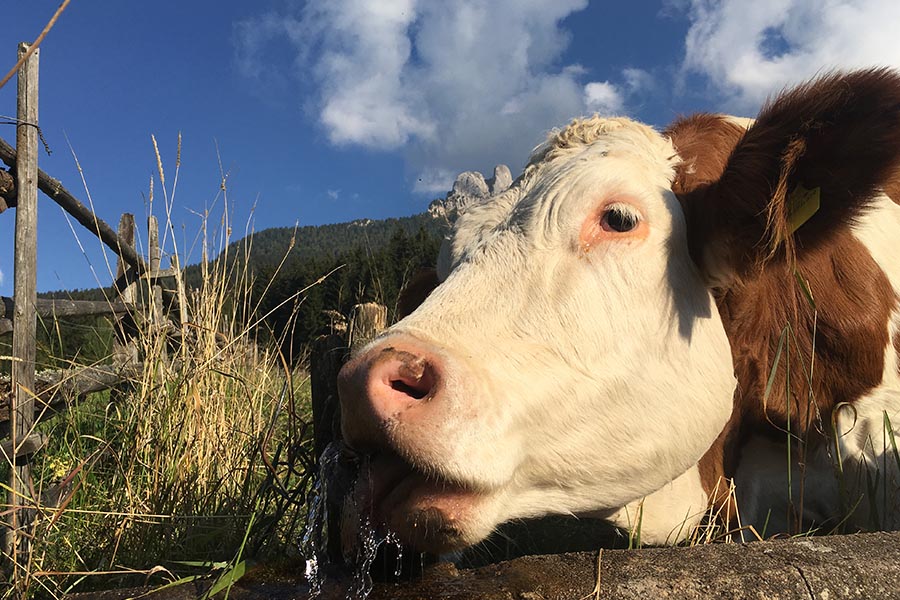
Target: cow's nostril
x=384, y=386
x=415, y=389
x=414, y=378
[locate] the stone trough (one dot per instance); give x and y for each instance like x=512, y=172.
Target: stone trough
x=865, y=566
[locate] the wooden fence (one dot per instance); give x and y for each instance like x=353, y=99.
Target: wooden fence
x=27, y=393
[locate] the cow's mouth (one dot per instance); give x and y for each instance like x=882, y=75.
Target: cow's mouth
x=426, y=510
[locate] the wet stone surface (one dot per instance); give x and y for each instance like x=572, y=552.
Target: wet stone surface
x=853, y=566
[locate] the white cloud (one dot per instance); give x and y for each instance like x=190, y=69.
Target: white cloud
x=638, y=81
x=602, y=97
x=333, y=194
x=750, y=49
x=365, y=47
x=455, y=85
x=1, y=277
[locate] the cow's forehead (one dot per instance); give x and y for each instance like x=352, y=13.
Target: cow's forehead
x=617, y=134
x=627, y=155
x=616, y=154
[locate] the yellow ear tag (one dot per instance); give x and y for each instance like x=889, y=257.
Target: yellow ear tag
x=802, y=205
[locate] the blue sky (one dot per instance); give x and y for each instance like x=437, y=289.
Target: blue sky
x=332, y=110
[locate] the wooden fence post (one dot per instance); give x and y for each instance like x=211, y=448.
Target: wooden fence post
x=328, y=355
x=366, y=321
x=326, y=358
x=24, y=319
x=7, y=190
x=125, y=352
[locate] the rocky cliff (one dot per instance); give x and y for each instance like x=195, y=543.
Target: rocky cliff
x=470, y=188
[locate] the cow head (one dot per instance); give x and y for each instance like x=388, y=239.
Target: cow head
x=572, y=358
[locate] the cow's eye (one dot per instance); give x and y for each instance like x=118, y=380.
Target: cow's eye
x=619, y=219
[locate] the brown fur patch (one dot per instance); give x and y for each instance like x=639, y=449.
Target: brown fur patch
x=704, y=142
x=717, y=466
x=839, y=133
x=897, y=344
x=853, y=300
x=853, y=303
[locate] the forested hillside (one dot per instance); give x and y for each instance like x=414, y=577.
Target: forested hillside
x=329, y=241
x=360, y=261
x=373, y=268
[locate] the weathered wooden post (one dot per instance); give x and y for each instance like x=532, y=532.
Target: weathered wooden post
x=326, y=358
x=24, y=318
x=7, y=190
x=366, y=321
x=328, y=355
x=125, y=352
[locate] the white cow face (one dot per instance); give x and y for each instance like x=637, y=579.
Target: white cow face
x=572, y=360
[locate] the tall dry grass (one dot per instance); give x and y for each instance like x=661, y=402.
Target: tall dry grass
x=198, y=463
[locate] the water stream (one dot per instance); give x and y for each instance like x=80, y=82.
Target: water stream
x=342, y=485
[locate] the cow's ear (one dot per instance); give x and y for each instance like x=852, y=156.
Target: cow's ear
x=809, y=164
x=416, y=290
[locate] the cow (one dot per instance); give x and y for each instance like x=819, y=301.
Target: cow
x=659, y=329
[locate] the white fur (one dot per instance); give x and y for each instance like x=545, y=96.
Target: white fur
x=866, y=444
x=742, y=122
x=668, y=515
x=578, y=381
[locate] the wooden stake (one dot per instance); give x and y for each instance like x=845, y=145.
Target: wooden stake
x=327, y=357
x=24, y=319
x=125, y=351
x=366, y=321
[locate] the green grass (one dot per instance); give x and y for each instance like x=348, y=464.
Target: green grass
x=182, y=466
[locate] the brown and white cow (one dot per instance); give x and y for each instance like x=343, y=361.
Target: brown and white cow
x=645, y=317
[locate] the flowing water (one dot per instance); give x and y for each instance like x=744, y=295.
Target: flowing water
x=342, y=485
x=312, y=544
